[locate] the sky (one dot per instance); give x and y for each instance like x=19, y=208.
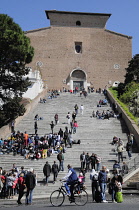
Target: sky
x=30, y=14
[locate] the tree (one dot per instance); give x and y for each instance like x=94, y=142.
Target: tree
x=132, y=72
x=15, y=53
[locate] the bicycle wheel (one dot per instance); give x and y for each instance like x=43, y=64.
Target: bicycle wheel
x=57, y=198
x=81, y=198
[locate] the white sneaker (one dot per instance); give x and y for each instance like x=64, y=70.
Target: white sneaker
x=104, y=201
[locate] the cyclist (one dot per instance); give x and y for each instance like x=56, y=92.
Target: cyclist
x=71, y=178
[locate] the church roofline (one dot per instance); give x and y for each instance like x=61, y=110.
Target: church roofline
x=113, y=32
x=39, y=29
x=75, y=13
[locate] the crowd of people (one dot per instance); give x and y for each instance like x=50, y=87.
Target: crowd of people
x=35, y=147
x=102, y=179
x=103, y=114
x=16, y=182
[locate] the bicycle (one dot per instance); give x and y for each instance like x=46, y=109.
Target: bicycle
x=57, y=197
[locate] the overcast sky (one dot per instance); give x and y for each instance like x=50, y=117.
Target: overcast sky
x=30, y=14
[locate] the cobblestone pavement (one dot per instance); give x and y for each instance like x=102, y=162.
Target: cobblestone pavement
x=128, y=199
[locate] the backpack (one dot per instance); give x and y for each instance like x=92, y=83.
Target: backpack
x=98, y=198
x=95, y=177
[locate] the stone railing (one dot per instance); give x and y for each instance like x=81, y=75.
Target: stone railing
x=132, y=127
x=6, y=130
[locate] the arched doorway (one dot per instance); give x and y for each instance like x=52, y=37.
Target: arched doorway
x=78, y=78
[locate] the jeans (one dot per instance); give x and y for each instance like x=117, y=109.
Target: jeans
x=103, y=189
x=70, y=189
x=129, y=154
x=120, y=155
x=74, y=130
x=61, y=165
x=55, y=176
x=29, y=196
x=67, y=187
x=47, y=178
x=82, y=164
x=98, y=166
x=113, y=194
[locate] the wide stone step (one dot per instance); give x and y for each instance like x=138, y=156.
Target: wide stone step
x=95, y=135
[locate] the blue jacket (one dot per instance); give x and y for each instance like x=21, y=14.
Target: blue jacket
x=73, y=176
x=102, y=177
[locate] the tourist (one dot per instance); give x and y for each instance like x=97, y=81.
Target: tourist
x=76, y=108
x=52, y=126
x=81, y=109
x=35, y=127
x=21, y=187
x=56, y=118
x=102, y=177
x=120, y=150
x=68, y=117
x=55, y=171
x=124, y=169
x=47, y=171
x=60, y=158
x=70, y=178
x=75, y=126
x=94, y=182
x=82, y=160
x=87, y=158
x=129, y=148
x=30, y=182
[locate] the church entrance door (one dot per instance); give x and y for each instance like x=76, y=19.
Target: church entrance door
x=78, y=84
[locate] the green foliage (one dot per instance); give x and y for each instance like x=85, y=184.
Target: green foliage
x=129, y=94
x=124, y=106
x=132, y=72
x=15, y=53
x=114, y=92
x=121, y=89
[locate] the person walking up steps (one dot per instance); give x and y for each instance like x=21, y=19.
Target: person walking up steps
x=56, y=118
x=52, y=126
x=55, y=171
x=81, y=109
x=76, y=108
x=68, y=117
x=47, y=171
x=60, y=157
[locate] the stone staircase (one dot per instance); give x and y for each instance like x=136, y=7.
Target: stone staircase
x=95, y=134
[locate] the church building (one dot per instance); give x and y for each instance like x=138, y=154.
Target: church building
x=77, y=50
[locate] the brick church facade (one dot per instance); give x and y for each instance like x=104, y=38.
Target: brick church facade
x=78, y=51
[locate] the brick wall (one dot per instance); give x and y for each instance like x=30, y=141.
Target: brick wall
x=101, y=49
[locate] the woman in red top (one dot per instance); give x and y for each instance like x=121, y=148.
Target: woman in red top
x=75, y=126
x=21, y=182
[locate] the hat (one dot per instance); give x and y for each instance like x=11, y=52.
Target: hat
x=31, y=170
x=22, y=174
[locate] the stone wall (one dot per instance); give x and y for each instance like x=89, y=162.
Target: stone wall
x=6, y=130
x=132, y=127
